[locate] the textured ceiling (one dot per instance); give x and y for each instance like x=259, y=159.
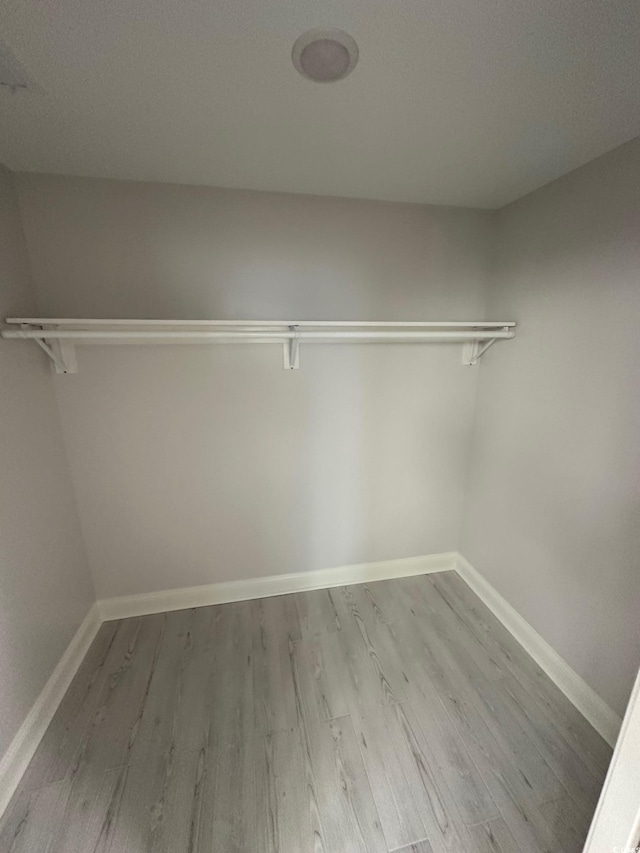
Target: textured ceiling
x=461, y=102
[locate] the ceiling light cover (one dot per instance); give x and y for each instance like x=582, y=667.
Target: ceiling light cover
x=325, y=55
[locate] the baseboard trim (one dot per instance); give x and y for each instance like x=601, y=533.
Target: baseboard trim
x=601, y=716
x=24, y=744
x=242, y=590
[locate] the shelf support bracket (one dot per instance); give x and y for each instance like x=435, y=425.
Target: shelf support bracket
x=61, y=353
x=292, y=351
x=472, y=351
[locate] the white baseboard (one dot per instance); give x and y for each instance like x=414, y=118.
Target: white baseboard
x=241, y=590
x=24, y=744
x=602, y=717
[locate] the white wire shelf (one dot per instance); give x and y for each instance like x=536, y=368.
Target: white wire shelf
x=59, y=336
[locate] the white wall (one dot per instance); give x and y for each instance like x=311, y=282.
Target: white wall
x=45, y=587
x=199, y=464
x=553, y=507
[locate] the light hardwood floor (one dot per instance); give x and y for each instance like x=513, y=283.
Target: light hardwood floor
x=395, y=716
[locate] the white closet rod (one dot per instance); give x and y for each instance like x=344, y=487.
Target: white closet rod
x=58, y=336
x=278, y=337
x=285, y=324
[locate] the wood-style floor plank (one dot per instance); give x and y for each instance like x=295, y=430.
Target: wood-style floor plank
x=369, y=602
x=493, y=836
x=349, y=673
x=577, y=778
x=30, y=822
x=62, y=738
x=392, y=716
x=464, y=680
x=510, y=788
x=448, y=748
x=347, y=808
x=227, y=821
x=394, y=778
x=193, y=709
x=321, y=678
x=158, y=728
x=275, y=629
x=320, y=611
x=517, y=662
x=451, y=628
x=293, y=799
x=348, y=819
x=567, y=825
x=151, y=807
x=440, y=812
x=419, y=847
x=385, y=659
x=112, y=732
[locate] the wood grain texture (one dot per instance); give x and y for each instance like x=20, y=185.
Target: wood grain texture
x=569, y=826
x=493, y=836
x=320, y=612
x=391, y=716
x=491, y=633
x=275, y=628
x=30, y=822
x=418, y=847
x=62, y=738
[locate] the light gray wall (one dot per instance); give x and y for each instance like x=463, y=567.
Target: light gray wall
x=200, y=464
x=45, y=586
x=553, y=506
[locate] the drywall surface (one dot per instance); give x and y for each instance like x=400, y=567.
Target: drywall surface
x=197, y=464
x=45, y=586
x=553, y=508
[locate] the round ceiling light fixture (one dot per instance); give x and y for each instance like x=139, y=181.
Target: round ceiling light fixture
x=325, y=55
